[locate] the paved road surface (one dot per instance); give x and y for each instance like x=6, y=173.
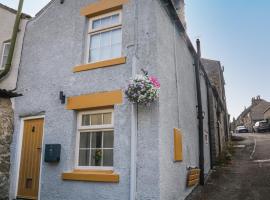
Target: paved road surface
x=247, y=178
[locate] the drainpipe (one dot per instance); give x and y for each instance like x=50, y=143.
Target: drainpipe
x=134, y=118
x=200, y=112
x=134, y=135
x=13, y=41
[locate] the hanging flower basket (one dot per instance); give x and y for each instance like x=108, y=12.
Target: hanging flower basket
x=143, y=89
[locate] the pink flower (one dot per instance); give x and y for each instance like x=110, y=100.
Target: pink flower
x=154, y=81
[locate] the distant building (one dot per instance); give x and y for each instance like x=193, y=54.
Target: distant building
x=267, y=114
x=254, y=113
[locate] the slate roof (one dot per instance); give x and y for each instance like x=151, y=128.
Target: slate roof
x=24, y=16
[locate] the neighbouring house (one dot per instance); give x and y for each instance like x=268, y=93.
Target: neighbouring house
x=76, y=134
x=254, y=113
x=219, y=121
x=266, y=114
x=8, y=83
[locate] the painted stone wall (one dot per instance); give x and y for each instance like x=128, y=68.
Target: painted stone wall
x=6, y=130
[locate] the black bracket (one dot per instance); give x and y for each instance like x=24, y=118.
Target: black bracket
x=62, y=97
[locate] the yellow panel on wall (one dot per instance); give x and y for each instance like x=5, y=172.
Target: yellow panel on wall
x=193, y=177
x=95, y=100
x=178, y=145
x=101, y=7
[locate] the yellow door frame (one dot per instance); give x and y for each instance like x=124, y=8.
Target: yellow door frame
x=19, y=151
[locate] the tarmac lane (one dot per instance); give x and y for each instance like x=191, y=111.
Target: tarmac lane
x=246, y=178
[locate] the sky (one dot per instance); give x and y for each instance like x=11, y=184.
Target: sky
x=236, y=32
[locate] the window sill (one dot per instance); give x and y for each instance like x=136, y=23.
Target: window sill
x=106, y=176
x=101, y=64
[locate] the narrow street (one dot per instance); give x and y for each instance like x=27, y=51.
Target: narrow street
x=246, y=178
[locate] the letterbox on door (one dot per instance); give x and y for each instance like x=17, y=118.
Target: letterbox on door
x=52, y=153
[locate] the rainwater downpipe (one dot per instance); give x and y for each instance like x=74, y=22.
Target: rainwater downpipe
x=200, y=112
x=134, y=118
x=134, y=136
x=13, y=41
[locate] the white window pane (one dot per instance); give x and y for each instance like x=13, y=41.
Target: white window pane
x=105, y=53
x=116, y=50
x=116, y=36
x=84, y=157
x=108, y=157
x=115, y=19
x=85, y=120
x=6, y=49
x=84, y=140
x=96, y=157
x=4, y=62
x=108, y=139
x=106, y=21
x=96, y=24
x=96, y=140
x=96, y=119
x=95, y=41
x=94, y=55
x=105, y=39
x=107, y=118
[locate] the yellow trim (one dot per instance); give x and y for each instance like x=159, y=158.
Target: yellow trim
x=178, y=146
x=95, y=100
x=92, y=176
x=101, y=64
x=193, y=183
x=193, y=177
x=26, y=197
x=101, y=7
x=194, y=171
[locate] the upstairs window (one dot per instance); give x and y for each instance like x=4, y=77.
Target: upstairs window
x=5, y=51
x=105, y=37
x=95, y=139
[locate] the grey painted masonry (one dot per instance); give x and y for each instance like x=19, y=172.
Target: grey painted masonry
x=54, y=43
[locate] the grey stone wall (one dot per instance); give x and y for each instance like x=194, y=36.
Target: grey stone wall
x=6, y=131
x=213, y=127
x=207, y=164
x=267, y=114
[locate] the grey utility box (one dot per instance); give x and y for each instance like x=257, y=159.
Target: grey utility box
x=52, y=153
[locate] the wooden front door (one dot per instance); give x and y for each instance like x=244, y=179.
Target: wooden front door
x=28, y=184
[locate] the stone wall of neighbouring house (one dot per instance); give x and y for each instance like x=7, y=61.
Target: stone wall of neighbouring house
x=6, y=130
x=267, y=114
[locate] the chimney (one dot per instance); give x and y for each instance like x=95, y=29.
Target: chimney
x=256, y=100
x=180, y=8
x=252, y=100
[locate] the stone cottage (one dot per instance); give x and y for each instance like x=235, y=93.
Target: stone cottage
x=219, y=122
x=254, y=113
x=76, y=134
x=267, y=114
x=8, y=81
